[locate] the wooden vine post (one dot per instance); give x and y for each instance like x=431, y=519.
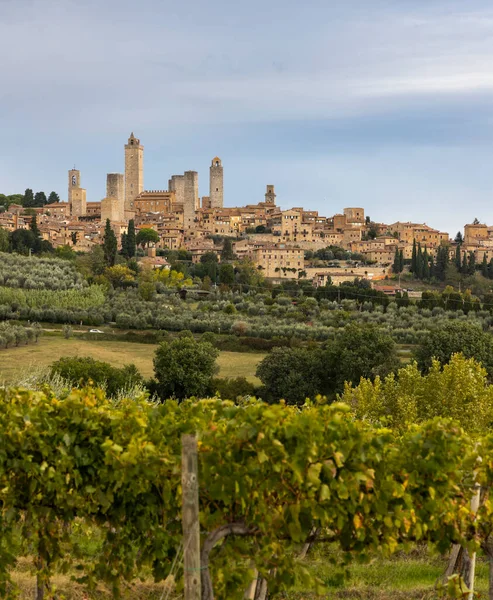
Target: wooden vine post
x=190, y=517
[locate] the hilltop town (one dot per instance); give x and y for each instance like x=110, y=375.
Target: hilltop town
x=275, y=240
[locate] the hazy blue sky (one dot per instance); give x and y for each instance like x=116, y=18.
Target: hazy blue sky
x=381, y=104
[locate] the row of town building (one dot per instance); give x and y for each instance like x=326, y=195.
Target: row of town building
x=273, y=238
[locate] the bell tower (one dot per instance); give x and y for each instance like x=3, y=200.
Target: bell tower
x=134, y=171
x=216, y=194
x=76, y=195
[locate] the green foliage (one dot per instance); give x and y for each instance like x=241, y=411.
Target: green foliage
x=184, y=368
x=53, y=197
x=28, y=199
x=82, y=371
x=129, y=248
x=39, y=199
x=443, y=342
x=291, y=374
x=227, y=251
x=110, y=244
x=233, y=388
x=146, y=236
x=460, y=390
x=74, y=298
x=38, y=273
x=358, y=351
x=278, y=471
x=4, y=240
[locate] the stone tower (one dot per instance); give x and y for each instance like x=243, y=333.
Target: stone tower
x=134, y=171
x=115, y=188
x=177, y=184
x=190, y=197
x=76, y=195
x=216, y=183
x=270, y=196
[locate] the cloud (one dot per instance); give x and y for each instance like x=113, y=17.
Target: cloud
x=259, y=79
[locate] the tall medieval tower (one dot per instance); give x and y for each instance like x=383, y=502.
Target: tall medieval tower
x=76, y=195
x=190, y=198
x=216, y=183
x=134, y=171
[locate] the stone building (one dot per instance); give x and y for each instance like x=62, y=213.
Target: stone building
x=134, y=171
x=77, y=198
x=270, y=195
x=177, y=185
x=152, y=201
x=115, y=188
x=191, y=199
x=279, y=261
x=216, y=193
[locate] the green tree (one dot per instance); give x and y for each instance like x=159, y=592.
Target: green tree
x=471, y=264
x=453, y=337
x=413, y=397
x=81, y=371
x=396, y=266
x=146, y=236
x=426, y=265
x=484, y=266
x=442, y=262
x=28, y=200
x=226, y=274
x=458, y=238
x=358, y=351
x=401, y=260
x=227, y=251
x=458, y=259
x=291, y=374
x=23, y=240
x=4, y=240
x=465, y=265
x=53, y=197
x=184, y=368
x=131, y=243
x=414, y=259
x=419, y=263
x=39, y=199
x=110, y=244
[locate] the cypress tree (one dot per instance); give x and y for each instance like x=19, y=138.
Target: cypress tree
x=426, y=266
x=414, y=259
x=465, y=264
x=458, y=262
x=471, y=267
x=401, y=261
x=131, y=243
x=396, y=265
x=124, y=245
x=110, y=244
x=431, y=268
x=419, y=263
x=484, y=266
x=37, y=235
x=490, y=269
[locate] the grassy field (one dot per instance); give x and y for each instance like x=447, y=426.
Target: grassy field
x=15, y=361
x=399, y=578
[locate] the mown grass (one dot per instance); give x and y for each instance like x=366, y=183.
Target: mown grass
x=15, y=361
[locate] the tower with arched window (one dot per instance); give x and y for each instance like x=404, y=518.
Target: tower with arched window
x=216, y=183
x=134, y=171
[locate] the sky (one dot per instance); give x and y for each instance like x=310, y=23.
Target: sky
x=386, y=105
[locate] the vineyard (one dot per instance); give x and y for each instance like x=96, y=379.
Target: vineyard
x=271, y=479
